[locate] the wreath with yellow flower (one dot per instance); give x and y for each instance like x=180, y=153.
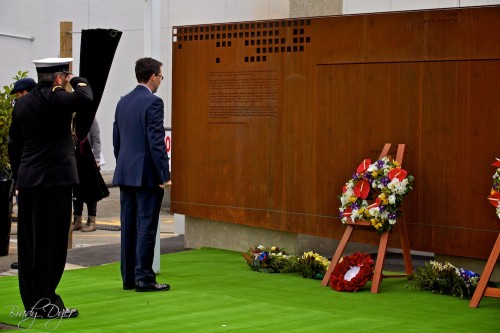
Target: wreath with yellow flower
x=494, y=197
x=386, y=183
x=352, y=272
x=312, y=265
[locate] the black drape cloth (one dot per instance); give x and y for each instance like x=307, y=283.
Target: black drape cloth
x=97, y=50
x=92, y=187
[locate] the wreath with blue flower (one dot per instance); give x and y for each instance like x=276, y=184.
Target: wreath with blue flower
x=386, y=183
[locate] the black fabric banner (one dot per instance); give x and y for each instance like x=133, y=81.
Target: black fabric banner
x=97, y=50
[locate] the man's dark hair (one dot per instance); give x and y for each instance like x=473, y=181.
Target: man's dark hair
x=48, y=77
x=145, y=67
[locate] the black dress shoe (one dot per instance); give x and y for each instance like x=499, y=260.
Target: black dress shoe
x=151, y=286
x=128, y=286
x=14, y=265
x=69, y=313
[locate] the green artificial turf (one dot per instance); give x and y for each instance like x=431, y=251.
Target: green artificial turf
x=215, y=291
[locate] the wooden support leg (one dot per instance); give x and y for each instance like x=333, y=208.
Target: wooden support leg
x=379, y=265
x=337, y=255
x=481, y=289
x=405, y=247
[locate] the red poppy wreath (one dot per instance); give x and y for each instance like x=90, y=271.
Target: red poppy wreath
x=352, y=273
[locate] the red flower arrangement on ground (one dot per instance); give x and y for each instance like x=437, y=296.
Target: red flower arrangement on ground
x=352, y=272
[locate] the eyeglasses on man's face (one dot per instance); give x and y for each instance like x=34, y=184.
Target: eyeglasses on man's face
x=160, y=76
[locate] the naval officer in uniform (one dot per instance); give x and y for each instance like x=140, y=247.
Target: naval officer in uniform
x=43, y=164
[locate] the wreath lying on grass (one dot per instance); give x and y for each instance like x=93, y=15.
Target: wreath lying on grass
x=383, y=181
x=494, y=197
x=267, y=259
x=445, y=279
x=352, y=272
x=312, y=265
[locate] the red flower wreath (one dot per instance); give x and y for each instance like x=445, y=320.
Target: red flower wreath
x=494, y=197
x=358, y=268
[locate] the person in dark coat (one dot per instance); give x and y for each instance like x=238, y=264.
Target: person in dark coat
x=43, y=161
x=21, y=88
x=142, y=172
x=88, y=185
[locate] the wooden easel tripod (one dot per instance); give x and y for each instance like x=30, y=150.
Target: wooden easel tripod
x=403, y=234
x=482, y=289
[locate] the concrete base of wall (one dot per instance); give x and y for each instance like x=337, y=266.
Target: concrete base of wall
x=208, y=233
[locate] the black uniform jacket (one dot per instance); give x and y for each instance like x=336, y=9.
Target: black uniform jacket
x=40, y=146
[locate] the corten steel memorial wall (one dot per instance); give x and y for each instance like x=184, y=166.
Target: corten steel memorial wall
x=271, y=118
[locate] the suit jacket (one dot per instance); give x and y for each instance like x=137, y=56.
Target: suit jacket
x=139, y=140
x=40, y=146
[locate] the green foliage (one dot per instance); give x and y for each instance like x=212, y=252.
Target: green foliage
x=444, y=279
x=5, y=119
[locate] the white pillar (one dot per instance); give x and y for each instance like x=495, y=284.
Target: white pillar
x=152, y=18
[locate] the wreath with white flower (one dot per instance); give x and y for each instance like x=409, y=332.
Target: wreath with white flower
x=352, y=272
x=386, y=183
x=494, y=197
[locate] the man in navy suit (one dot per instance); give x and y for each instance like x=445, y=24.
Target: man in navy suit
x=142, y=173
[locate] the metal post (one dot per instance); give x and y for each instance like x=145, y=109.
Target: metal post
x=152, y=18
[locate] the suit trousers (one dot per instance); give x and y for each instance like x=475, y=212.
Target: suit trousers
x=44, y=217
x=139, y=214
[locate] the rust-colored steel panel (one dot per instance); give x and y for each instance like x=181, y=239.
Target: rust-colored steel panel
x=271, y=118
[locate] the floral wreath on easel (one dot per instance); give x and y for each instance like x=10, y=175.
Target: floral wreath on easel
x=352, y=272
x=383, y=179
x=494, y=197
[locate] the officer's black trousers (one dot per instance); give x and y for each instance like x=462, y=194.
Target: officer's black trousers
x=44, y=215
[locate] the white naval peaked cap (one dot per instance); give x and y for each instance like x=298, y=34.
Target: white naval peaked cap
x=52, y=65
